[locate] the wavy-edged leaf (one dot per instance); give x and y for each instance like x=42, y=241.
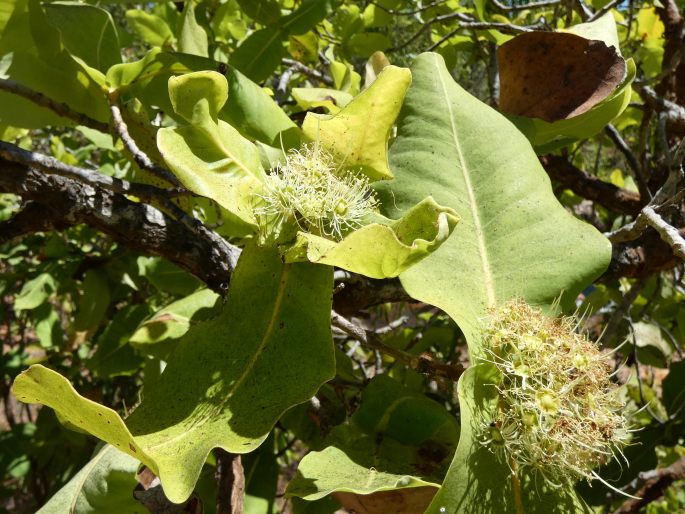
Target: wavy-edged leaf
x=208, y=155
x=330, y=99
x=103, y=486
x=478, y=481
x=381, y=250
x=243, y=386
x=514, y=238
x=358, y=134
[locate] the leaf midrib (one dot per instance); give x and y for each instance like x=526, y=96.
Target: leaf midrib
x=488, y=282
x=247, y=369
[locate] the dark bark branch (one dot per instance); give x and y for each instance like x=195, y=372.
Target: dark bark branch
x=230, y=483
x=356, y=293
x=532, y=5
x=642, y=257
x=588, y=186
x=59, y=108
x=135, y=225
x=674, y=35
x=32, y=218
x=657, y=482
x=310, y=72
x=48, y=164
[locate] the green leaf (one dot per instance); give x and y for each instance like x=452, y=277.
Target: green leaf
x=149, y=27
x=397, y=439
x=166, y=276
x=358, y=134
x=48, y=327
x=34, y=292
x=243, y=387
x=381, y=250
x=261, y=11
x=157, y=335
x=193, y=38
x=307, y=16
x=330, y=99
x=335, y=470
x=104, y=486
x=652, y=348
x=93, y=302
x=88, y=32
x=113, y=355
x=38, y=60
x=148, y=78
x=252, y=111
x=514, y=238
x=478, y=480
x=260, y=54
x=208, y=155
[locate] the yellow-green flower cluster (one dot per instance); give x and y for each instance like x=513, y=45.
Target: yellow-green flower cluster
x=310, y=193
x=558, y=413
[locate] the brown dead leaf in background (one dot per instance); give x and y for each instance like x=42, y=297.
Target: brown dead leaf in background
x=412, y=500
x=556, y=75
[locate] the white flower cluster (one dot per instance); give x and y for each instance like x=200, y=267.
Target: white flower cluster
x=558, y=412
x=308, y=192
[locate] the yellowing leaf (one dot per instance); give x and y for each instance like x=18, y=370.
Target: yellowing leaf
x=358, y=134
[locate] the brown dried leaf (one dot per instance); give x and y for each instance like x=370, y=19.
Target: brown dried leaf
x=556, y=75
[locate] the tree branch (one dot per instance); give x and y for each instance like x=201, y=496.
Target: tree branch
x=59, y=108
x=355, y=293
x=588, y=186
x=230, y=483
x=658, y=481
x=140, y=157
x=424, y=363
x=135, y=225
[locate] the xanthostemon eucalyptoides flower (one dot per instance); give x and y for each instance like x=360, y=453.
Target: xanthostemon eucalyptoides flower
x=310, y=193
x=558, y=412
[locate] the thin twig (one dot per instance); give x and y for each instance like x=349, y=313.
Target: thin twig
x=506, y=28
x=423, y=363
x=532, y=5
x=140, y=157
x=410, y=13
x=667, y=232
x=623, y=147
x=59, y=108
x=608, y=7
x=310, y=72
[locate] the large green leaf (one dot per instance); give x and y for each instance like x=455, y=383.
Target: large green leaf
x=479, y=482
x=307, y=16
x=226, y=384
x=208, y=155
x=514, y=238
x=260, y=54
x=104, y=486
x=381, y=250
x=358, y=134
x=36, y=58
x=88, y=32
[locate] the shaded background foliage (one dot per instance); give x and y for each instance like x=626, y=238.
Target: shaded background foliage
x=101, y=306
